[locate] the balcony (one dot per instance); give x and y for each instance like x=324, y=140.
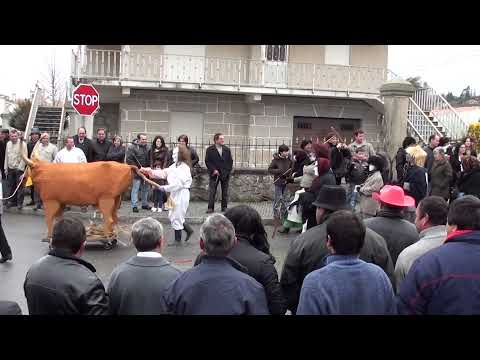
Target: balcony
x=130, y=69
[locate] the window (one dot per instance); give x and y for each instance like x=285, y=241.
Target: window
x=304, y=125
x=276, y=53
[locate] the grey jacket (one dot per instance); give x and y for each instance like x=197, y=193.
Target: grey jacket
x=374, y=183
x=429, y=239
x=137, y=286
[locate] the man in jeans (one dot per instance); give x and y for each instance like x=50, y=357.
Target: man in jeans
x=14, y=167
x=138, y=155
x=279, y=167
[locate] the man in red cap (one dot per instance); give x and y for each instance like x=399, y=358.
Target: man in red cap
x=389, y=222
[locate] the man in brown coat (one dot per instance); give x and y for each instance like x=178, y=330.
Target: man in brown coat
x=441, y=176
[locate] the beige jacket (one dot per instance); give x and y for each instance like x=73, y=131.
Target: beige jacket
x=13, y=155
x=45, y=153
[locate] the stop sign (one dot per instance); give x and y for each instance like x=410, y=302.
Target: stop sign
x=85, y=99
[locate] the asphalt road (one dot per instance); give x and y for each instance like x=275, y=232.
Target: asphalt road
x=25, y=231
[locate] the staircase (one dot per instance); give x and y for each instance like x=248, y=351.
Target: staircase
x=49, y=119
x=46, y=118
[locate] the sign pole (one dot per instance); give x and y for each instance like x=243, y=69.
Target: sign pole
x=88, y=123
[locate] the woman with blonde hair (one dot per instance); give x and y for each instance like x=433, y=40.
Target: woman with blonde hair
x=415, y=180
x=179, y=180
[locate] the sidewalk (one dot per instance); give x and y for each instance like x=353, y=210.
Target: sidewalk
x=196, y=213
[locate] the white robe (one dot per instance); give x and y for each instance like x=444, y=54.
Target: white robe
x=179, y=180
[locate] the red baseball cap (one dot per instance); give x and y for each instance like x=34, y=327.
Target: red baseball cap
x=394, y=195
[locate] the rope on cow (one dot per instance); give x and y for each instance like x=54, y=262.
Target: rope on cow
x=18, y=186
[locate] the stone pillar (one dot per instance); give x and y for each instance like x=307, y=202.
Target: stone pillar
x=395, y=95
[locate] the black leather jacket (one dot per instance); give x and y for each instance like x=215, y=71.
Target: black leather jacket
x=62, y=284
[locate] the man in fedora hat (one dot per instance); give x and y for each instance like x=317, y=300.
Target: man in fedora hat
x=309, y=251
x=389, y=222
x=34, y=137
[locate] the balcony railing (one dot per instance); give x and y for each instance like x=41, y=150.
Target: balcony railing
x=122, y=65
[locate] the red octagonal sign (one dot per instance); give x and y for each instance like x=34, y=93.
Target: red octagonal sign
x=85, y=99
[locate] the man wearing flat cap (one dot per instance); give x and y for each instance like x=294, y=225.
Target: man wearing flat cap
x=309, y=251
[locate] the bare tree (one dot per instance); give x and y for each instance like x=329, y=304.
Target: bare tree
x=54, y=83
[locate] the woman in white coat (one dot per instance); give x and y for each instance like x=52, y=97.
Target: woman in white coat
x=179, y=180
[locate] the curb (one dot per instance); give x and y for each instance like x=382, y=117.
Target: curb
x=125, y=219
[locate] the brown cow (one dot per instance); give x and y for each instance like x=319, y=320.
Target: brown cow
x=100, y=184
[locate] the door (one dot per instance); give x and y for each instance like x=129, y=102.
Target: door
x=184, y=63
x=337, y=55
x=317, y=128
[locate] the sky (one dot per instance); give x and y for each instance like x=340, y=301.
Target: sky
x=444, y=67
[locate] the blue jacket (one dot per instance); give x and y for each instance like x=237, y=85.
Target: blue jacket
x=445, y=280
x=216, y=287
x=347, y=286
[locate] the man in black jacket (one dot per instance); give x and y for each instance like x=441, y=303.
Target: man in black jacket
x=137, y=285
x=137, y=155
x=218, y=159
x=309, y=251
x=100, y=146
x=82, y=142
x=61, y=283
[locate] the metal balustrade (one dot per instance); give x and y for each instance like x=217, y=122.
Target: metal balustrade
x=122, y=65
x=435, y=106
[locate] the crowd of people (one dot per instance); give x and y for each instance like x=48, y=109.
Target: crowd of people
x=378, y=244
x=172, y=169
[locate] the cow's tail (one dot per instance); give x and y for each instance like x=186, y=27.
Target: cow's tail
x=147, y=180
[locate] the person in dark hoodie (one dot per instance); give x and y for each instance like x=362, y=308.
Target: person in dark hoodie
x=252, y=250
x=281, y=168
x=116, y=151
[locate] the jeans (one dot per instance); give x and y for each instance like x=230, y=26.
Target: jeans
x=279, y=201
x=212, y=191
x=137, y=184
x=158, y=198
x=13, y=178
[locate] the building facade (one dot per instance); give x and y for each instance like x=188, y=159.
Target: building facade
x=259, y=96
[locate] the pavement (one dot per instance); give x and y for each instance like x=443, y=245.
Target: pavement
x=196, y=213
x=24, y=231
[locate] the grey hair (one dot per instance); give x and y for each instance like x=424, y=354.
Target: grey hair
x=218, y=235
x=146, y=234
x=439, y=150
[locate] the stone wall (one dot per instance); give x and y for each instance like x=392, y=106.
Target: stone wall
x=269, y=121
x=245, y=186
